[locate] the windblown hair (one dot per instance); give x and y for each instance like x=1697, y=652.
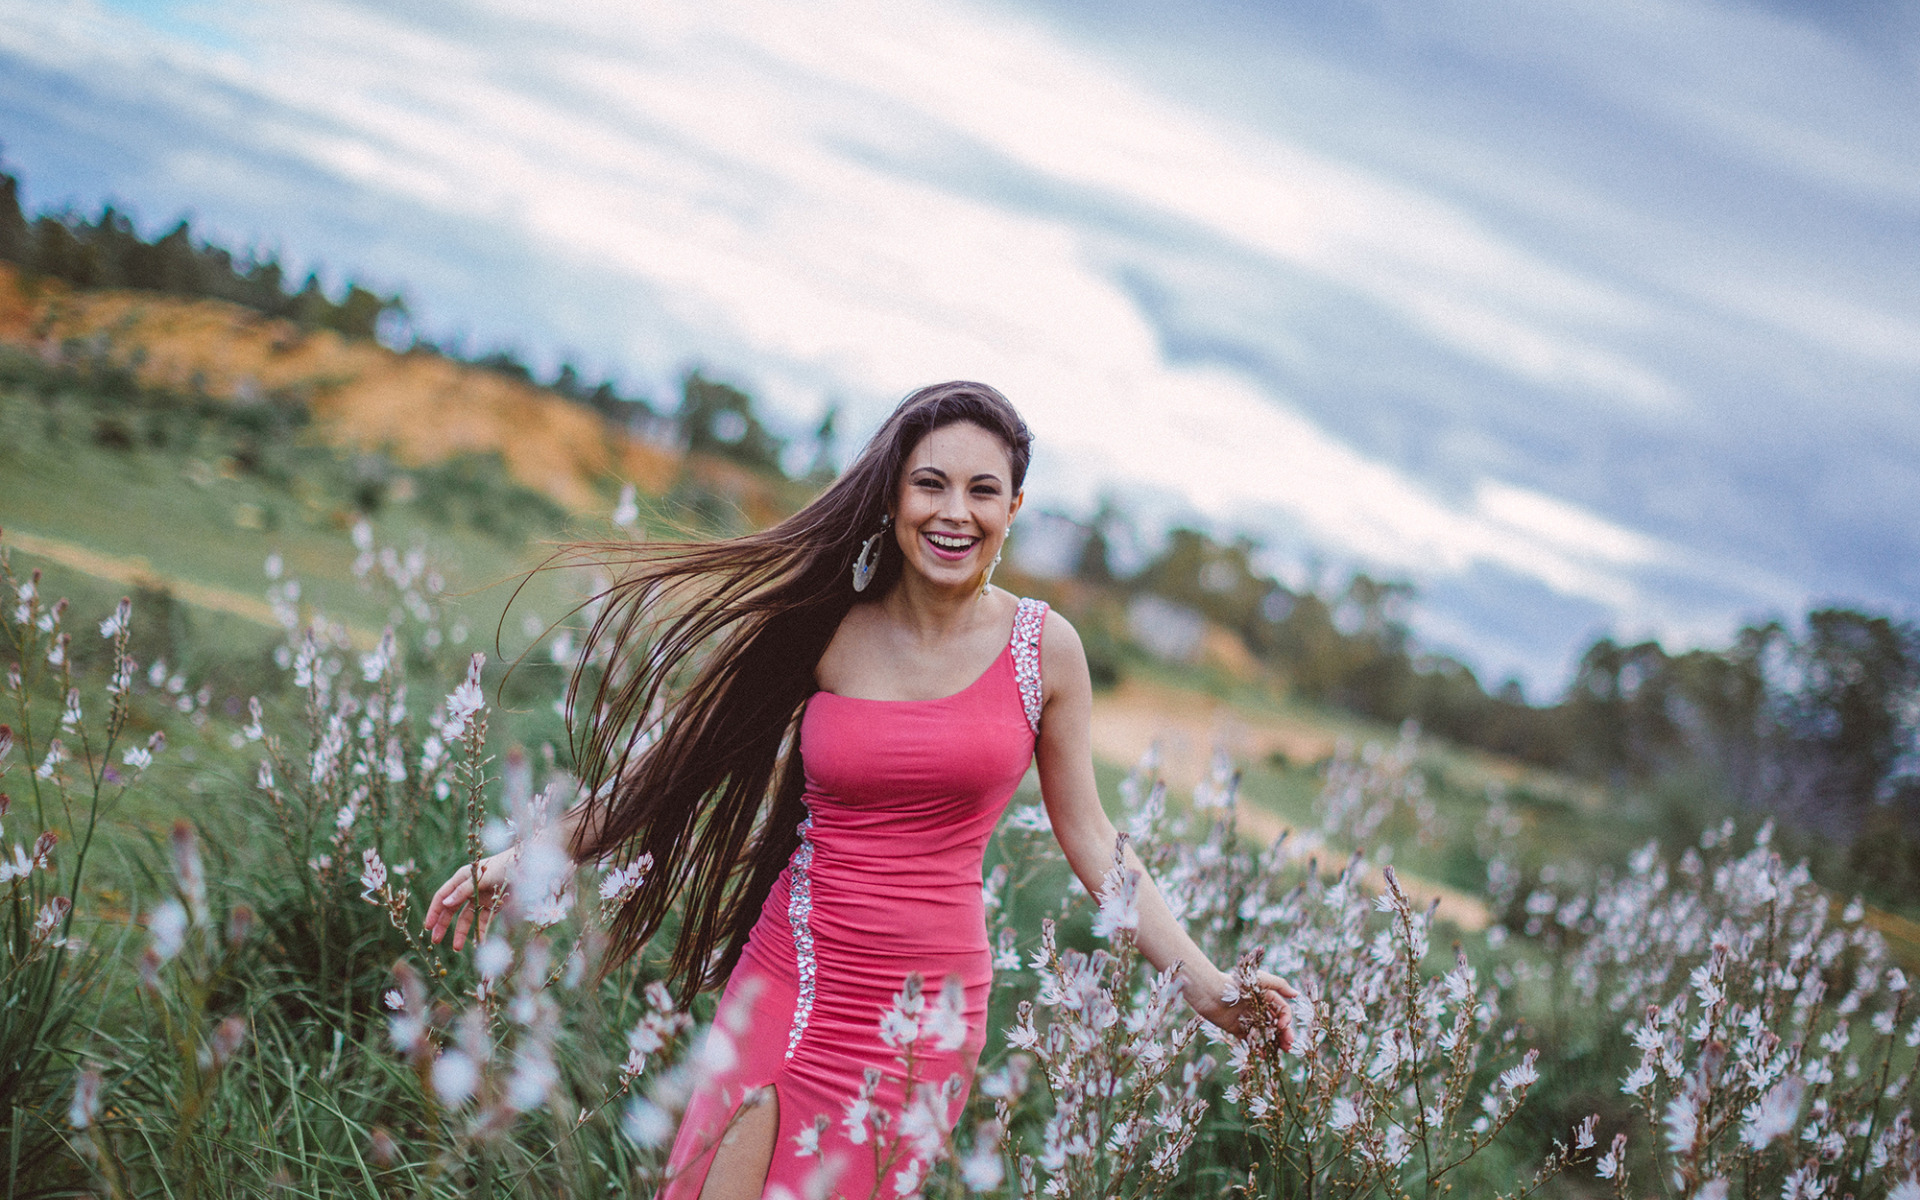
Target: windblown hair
x=704, y=657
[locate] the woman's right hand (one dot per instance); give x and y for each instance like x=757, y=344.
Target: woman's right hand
x=458, y=901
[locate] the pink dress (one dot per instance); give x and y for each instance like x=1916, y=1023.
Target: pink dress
x=902, y=796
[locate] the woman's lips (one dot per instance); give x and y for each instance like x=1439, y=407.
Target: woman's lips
x=943, y=552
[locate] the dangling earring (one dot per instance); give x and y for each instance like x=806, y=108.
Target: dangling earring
x=988, y=578
x=869, y=556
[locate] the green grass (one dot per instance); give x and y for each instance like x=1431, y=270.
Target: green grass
x=189, y=517
x=165, y=492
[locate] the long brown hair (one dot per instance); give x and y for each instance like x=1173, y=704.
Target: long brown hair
x=705, y=656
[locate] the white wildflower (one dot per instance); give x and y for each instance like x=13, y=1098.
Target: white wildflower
x=1119, y=901
x=946, y=1022
x=647, y=1123
x=806, y=1143
x=981, y=1169
x=455, y=1077
x=1611, y=1163
x=376, y=664
x=50, y=915
x=86, y=1099
x=1030, y=817
x=464, y=701
x=1583, y=1133
x=1682, y=1120
x=1774, y=1114
x=168, y=928
x=56, y=754
x=924, y=1123
x=492, y=958
x=715, y=1054
x=395, y=765
x=858, y=1110
x=620, y=883
x=116, y=624
x=1522, y=1075
x=533, y=1078
x=541, y=888
x=627, y=510
x=1397, y=1145
x=373, y=876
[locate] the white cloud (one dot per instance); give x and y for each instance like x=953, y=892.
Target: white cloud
x=714, y=156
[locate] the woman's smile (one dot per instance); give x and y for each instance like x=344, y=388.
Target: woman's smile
x=950, y=546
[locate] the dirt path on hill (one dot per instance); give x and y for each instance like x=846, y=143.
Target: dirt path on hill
x=1188, y=726
x=137, y=572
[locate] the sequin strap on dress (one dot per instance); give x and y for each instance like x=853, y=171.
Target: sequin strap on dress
x=1028, y=620
x=799, y=914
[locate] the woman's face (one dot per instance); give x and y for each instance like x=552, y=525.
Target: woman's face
x=954, y=504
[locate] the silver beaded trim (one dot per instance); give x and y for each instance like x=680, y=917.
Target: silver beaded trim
x=1027, y=620
x=799, y=912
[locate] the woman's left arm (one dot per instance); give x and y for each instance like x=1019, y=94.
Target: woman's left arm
x=1065, y=752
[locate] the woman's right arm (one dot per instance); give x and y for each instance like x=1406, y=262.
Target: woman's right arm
x=476, y=890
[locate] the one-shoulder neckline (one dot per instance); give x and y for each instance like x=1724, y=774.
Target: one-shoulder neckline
x=978, y=680
x=1006, y=650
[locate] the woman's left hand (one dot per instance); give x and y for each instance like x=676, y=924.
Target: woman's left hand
x=1236, y=1018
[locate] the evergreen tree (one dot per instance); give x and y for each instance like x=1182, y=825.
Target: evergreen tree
x=718, y=419
x=16, y=239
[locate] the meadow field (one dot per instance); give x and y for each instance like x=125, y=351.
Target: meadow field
x=266, y=688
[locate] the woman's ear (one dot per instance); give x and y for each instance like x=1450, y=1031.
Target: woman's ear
x=1019, y=498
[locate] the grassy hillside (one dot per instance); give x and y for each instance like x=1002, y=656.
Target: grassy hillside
x=137, y=458
x=420, y=408
x=173, y=445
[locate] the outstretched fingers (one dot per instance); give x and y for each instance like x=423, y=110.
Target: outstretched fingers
x=1276, y=992
x=451, y=905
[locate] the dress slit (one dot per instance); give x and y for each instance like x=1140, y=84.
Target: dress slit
x=690, y=1185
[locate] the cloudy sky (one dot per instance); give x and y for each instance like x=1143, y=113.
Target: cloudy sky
x=1601, y=315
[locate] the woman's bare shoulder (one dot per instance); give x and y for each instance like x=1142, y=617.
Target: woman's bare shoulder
x=1063, y=657
x=855, y=632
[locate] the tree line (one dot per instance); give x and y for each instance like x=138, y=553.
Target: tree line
x=1815, y=720
x=108, y=251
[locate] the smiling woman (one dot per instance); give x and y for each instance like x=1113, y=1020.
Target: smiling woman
x=817, y=799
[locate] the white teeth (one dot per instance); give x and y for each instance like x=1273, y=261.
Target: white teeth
x=949, y=543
